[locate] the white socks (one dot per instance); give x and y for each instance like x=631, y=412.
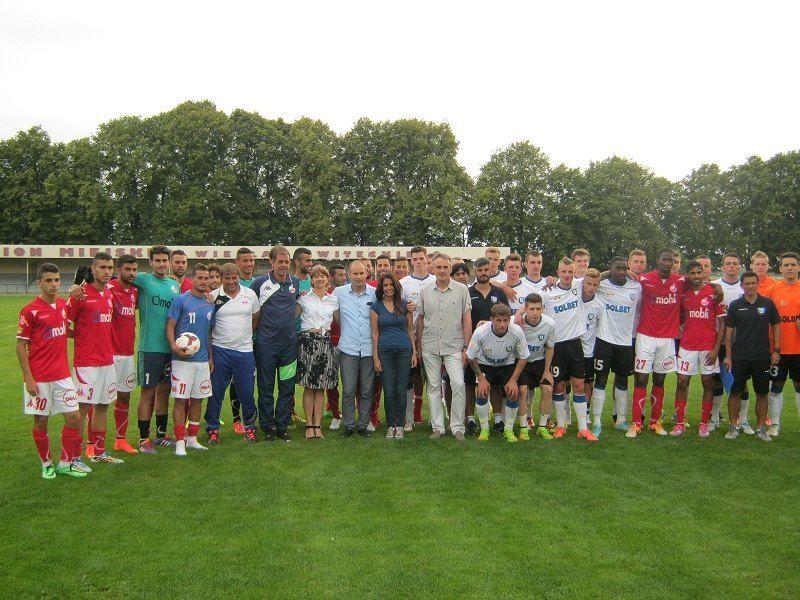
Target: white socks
x=715, y=406
x=598, y=400
x=744, y=407
x=561, y=410
x=775, y=407
x=509, y=416
x=622, y=405
x=482, y=410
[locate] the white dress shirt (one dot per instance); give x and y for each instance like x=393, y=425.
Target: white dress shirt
x=317, y=313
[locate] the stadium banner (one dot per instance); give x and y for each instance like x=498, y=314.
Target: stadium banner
x=218, y=253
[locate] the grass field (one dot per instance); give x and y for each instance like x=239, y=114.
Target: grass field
x=651, y=517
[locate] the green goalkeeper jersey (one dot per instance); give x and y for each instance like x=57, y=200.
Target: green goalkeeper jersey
x=155, y=298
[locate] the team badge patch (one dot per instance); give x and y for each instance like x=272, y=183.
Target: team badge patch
x=493, y=299
x=761, y=310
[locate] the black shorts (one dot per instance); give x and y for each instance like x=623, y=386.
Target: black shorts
x=154, y=367
x=613, y=357
x=469, y=376
x=757, y=370
x=498, y=375
x=788, y=367
x=532, y=374
x=588, y=369
x=568, y=360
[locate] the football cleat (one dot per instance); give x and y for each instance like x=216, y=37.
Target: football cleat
x=746, y=428
x=559, y=432
x=193, y=444
x=508, y=433
x=774, y=430
x=48, y=471
x=657, y=428
x=524, y=434
x=146, y=447
x=703, y=430
x=763, y=435
x=122, y=445
x=249, y=436
x=621, y=425
x=587, y=435
x=70, y=469
x=105, y=457
x=733, y=432
x=180, y=448
x=597, y=430
x=678, y=430
x=633, y=430
x=238, y=428
x=483, y=436
x=544, y=433
x=77, y=463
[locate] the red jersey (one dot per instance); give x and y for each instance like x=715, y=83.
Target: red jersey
x=91, y=321
x=660, y=311
x=699, y=315
x=123, y=325
x=186, y=285
x=45, y=327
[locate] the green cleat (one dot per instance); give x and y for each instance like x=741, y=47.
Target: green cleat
x=508, y=433
x=70, y=469
x=483, y=436
x=48, y=471
x=544, y=433
x=524, y=434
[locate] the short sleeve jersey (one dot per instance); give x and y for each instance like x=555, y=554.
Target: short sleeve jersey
x=411, y=285
x=765, y=286
x=186, y=285
x=565, y=307
x=620, y=302
x=91, y=322
x=277, y=299
x=699, y=315
x=538, y=336
x=123, y=325
x=730, y=291
x=593, y=311
x=155, y=297
x=44, y=326
x=482, y=305
x=751, y=323
x=660, y=316
x=488, y=348
x=787, y=300
x=192, y=315
x=523, y=288
x=232, y=324
x=537, y=285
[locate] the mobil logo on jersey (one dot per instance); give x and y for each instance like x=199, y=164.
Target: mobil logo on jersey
x=54, y=332
x=699, y=314
x=101, y=317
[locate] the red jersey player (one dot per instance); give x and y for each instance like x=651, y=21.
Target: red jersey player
x=48, y=388
x=93, y=358
x=123, y=338
x=700, y=343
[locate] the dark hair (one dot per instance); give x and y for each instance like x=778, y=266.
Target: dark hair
x=702, y=257
x=158, y=250
x=747, y=275
x=459, y=267
x=298, y=252
x=337, y=267
x=46, y=268
x=533, y=298
x=384, y=257
x=790, y=255
x=617, y=259
x=732, y=255
x=244, y=250
x=199, y=267
x=177, y=252
x=125, y=259
x=416, y=249
x=532, y=253
x=401, y=259
x=400, y=307
x=481, y=262
x=694, y=264
x=670, y=251
x=215, y=267
x=102, y=256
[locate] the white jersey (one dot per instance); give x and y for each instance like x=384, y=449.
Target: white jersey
x=539, y=336
x=411, y=286
x=536, y=286
x=593, y=311
x=565, y=307
x=522, y=288
x=232, y=327
x=490, y=349
x=501, y=277
x=730, y=291
x=621, y=304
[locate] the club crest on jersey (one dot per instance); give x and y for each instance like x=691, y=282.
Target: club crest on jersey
x=493, y=299
x=761, y=310
x=673, y=288
x=291, y=289
x=574, y=291
x=541, y=337
x=509, y=348
x=633, y=296
x=704, y=302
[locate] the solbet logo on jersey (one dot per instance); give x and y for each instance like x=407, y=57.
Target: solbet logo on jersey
x=565, y=307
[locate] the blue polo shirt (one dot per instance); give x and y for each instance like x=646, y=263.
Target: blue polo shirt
x=277, y=300
x=356, y=336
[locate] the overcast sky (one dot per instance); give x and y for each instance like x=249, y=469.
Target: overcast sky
x=668, y=84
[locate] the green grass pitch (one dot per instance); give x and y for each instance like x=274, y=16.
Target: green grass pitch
x=651, y=517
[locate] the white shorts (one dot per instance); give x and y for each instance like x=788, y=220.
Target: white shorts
x=654, y=355
x=190, y=379
x=690, y=362
x=126, y=373
x=96, y=385
x=53, y=397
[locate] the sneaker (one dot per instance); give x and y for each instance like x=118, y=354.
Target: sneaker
x=587, y=435
x=524, y=434
x=165, y=441
x=459, y=435
x=282, y=435
x=193, y=444
x=499, y=426
x=544, y=433
x=760, y=434
x=364, y=433
x=678, y=430
x=249, y=435
x=48, y=471
x=657, y=428
x=238, y=428
x=89, y=450
x=348, y=432
x=597, y=430
x=508, y=433
x=213, y=436
x=746, y=428
x=78, y=463
x=269, y=435
x=713, y=426
x=398, y=433
x=483, y=436
x=733, y=432
x=105, y=457
x=559, y=432
x=621, y=425
x=335, y=423
x=146, y=447
x=122, y=445
x=633, y=430
x=703, y=430
x=180, y=448
x=436, y=435
x=390, y=433
x=370, y=427
x=68, y=468
x=472, y=428
x=774, y=430
x=408, y=427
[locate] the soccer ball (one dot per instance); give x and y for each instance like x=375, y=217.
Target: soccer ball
x=189, y=341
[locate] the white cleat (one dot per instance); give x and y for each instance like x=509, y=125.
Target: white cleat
x=193, y=444
x=370, y=427
x=774, y=430
x=335, y=423
x=180, y=448
x=745, y=427
x=713, y=426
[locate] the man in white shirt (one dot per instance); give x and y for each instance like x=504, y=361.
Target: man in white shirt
x=233, y=322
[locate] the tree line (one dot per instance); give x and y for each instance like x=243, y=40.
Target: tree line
x=197, y=176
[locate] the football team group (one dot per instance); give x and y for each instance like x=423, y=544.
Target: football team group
x=481, y=339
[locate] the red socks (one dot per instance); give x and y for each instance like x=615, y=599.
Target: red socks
x=42, y=441
x=99, y=442
x=657, y=395
x=70, y=444
x=639, y=394
x=180, y=431
x=705, y=413
x=121, y=419
x=194, y=429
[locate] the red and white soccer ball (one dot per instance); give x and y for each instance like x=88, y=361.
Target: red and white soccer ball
x=189, y=341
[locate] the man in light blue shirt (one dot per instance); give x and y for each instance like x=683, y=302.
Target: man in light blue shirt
x=355, y=348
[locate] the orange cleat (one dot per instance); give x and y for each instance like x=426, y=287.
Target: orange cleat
x=559, y=432
x=89, y=450
x=122, y=445
x=238, y=428
x=588, y=436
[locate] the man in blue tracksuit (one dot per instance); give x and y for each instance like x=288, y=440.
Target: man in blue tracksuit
x=276, y=344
